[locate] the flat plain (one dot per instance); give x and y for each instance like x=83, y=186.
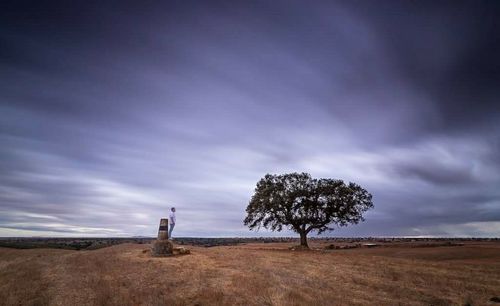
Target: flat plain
x=255, y=274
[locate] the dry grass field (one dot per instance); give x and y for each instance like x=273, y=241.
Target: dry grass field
x=253, y=274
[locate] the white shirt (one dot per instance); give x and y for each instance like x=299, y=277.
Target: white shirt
x=172, y=217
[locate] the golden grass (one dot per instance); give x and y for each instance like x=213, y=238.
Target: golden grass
x=253, y=274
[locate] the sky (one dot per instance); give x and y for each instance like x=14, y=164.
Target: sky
x=111, y=112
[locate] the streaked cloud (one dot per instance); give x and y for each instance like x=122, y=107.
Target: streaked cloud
x=111, y=115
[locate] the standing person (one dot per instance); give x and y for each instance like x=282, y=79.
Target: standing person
x=171, y=220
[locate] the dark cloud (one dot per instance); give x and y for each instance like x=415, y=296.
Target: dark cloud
x=448, y=51
x=112, y=112
x=436, y=173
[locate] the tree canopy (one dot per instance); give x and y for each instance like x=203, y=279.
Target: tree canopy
x=301, y=203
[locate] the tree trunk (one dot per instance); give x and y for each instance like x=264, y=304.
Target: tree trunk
x=303, y=239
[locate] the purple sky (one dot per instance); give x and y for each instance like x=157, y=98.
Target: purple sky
x=112, y=113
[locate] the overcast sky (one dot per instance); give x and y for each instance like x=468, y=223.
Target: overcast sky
x=111, y=113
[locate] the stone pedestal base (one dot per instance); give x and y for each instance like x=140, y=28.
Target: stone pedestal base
x=162, y=248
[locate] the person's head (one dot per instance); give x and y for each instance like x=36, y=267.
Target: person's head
x=172, y=209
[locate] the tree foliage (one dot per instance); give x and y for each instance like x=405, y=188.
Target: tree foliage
x=299, y=202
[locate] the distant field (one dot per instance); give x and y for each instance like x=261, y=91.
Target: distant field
x=97, y=243
x=402, y=272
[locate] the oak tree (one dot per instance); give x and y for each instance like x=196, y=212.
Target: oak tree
x=303, y=204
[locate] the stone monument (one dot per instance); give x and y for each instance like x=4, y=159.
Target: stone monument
x=162, y=246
